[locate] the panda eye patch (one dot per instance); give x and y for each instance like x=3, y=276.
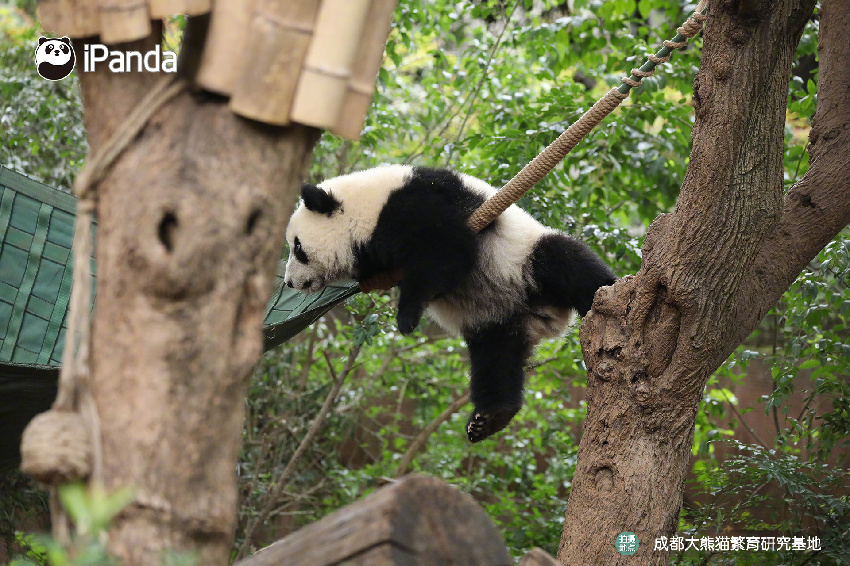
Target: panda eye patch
x=299, y=252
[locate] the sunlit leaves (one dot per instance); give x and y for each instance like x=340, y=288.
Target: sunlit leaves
x=41, y=126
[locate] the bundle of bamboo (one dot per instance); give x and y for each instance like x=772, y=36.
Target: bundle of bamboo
x=313, y=62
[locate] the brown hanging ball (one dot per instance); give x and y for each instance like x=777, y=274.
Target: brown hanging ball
x=55, y=448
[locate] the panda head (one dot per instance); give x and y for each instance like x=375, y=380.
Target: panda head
x=320, y=244
x=54, y=58
x=333, y=220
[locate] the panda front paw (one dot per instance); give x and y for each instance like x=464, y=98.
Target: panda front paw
x=408, y=319
x=482, y=424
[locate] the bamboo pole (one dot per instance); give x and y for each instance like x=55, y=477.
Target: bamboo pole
x=276, y=43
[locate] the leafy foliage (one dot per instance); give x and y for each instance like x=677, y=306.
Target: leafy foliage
x=91, y=511
x=795, y=497
x=482, y=86
x=19, y=501
x=41, y=122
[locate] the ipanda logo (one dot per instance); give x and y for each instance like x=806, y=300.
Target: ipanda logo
x=153, y=61
x=55, y=59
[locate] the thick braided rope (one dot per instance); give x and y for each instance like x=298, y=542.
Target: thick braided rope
x=548, y=159
x=686, y=31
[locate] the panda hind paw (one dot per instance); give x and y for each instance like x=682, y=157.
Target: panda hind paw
x=476, y=427
x=482, y=424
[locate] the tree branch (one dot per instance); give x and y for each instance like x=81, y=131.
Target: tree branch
x=651, y=340
x=282, y=481
x=480, y=84
x=744, y=422
x=421, y=438
x=818, y=206
x=308, y=360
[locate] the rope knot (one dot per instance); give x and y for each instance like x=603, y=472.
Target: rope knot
x=56, y=448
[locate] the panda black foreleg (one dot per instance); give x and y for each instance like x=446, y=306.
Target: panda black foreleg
x=434, y=269
x=413, y=297
x=497, y=353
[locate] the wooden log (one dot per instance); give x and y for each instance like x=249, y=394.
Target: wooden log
x=165, y=8
x=370, y=54
x=123, y=20
x=329, y=63
x=538, y=557
x=418, y=521
x=274, y=49
x=225, y=46
x=74, y=18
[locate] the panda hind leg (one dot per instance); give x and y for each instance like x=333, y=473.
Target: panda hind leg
x=497, y=353
x=567, y=273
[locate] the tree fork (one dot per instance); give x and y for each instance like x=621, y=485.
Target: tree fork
x=191, y=221
x=652, y=340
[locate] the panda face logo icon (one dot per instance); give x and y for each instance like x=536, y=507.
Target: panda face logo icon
x=54, y=58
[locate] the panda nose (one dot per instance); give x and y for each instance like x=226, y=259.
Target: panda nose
x=289, y=284
x=308, y=283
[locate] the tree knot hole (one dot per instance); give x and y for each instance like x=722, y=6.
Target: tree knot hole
x=642, y=392
x=604, y=478
x=252, y=221
x=604, y=370
x=638, y=376
x=806, y=201
x=616, y=352
x=167, y=227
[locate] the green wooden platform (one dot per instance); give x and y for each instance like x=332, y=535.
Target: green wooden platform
x=36, y=231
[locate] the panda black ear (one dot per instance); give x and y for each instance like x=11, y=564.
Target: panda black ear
x=317, y=200
x=65, y=39
x=42, y=40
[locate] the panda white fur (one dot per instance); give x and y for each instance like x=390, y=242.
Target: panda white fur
x=503, y=290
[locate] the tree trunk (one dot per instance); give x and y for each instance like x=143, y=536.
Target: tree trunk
x=710, y=271
x=191, y=221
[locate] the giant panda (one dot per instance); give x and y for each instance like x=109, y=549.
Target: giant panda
x=503, y=289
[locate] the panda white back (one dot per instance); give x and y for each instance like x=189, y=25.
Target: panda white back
x=364, y=194
x=501, y=279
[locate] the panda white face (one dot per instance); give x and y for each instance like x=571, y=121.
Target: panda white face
x=320, y=249
x=323, y=231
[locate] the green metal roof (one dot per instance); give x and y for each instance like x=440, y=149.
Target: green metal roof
x=36, y=229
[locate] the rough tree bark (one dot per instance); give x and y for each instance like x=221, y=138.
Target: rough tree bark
x=710, y=272
x=191, y=221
